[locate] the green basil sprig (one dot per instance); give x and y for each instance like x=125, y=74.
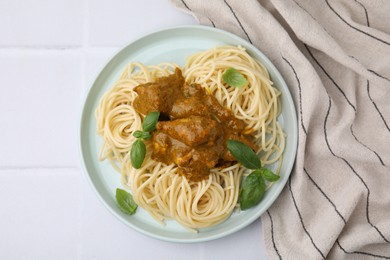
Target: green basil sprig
x=234, y=78
x=269, y=175
x=137, y=153
x=244, y=154
x=150, y=121
x=143, y=135
x=125, y=202
x=253, y=186
x=138, y=149
x=252, y=191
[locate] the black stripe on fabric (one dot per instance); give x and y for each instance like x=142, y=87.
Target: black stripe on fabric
x=323, y=28
x=238, y=20
x=370, y=70
x=299, y=93
x=377, y=155
x=376, y=107
x=189, y=9
x=374, y=72
x=211, y=21
x=185, y=4
x=272, y=236
x=334, y=206
x=300, y=218
x=360, y=253
x=365, y=11
x=327, y=74
x=354, y=58
x=353, y=170
x=308, y=175
x=353, y=27
x=379, y=75
x=323, y=193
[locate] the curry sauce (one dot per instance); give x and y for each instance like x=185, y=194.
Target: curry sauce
x=193, y=127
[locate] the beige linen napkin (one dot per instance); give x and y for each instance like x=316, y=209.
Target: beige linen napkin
x=335, y=58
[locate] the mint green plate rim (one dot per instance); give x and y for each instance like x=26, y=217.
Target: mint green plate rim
x=172, y=44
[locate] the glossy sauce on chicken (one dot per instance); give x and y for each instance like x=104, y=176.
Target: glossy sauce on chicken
x=193, y=127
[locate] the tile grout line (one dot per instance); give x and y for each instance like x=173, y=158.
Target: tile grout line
x=81, y=50
x=84, y=50
x=40, y=47
x=23, y=168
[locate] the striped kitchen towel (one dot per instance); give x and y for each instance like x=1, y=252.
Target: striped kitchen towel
x=335, y=58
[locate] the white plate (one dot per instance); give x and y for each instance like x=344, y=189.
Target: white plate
x=175, y=45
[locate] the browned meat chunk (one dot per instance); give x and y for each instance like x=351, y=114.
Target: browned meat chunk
x=195, y=163
x=185, y=107
x=193, y=130
x=169, y=150
x=193, y=90
x=199, y=127
x=223, y=114
x=159, y=95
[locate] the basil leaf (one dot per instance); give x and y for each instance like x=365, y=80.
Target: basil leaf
x=138, y=134
x=137, y=154
x=269, y=175
x=146, y=135
x=150, y=121
x=234, y=78
x=125, y=202
x=143, y=135
x=253, y=189
x=244, y=154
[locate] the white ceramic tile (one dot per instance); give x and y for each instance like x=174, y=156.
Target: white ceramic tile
x=117, y=22
x=40, y=214
x=95, y=60
x=41, y=23
x=45, y=214
x=39, y=109
x=105, y=237
x=247, y=243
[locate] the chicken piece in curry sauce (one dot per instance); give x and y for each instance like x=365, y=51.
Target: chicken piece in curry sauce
x=195, y=129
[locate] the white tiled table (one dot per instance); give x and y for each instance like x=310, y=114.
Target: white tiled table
x=50, y=51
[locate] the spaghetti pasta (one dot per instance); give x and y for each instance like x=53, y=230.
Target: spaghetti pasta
x=155, y=186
